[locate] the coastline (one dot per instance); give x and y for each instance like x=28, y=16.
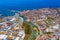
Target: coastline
x=8, y=12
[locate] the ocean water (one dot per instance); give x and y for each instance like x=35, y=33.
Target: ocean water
x=26, y=5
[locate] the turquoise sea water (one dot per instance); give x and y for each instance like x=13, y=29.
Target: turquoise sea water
x=26, y=5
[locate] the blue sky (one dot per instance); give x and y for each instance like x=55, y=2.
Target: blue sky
x=29, y=3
